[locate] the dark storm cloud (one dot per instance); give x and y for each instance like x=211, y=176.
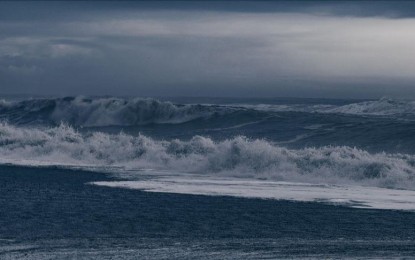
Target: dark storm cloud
x=51, y=10
x=343, y=49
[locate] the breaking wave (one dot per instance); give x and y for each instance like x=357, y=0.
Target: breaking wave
x=81, y=111
x=238, y=156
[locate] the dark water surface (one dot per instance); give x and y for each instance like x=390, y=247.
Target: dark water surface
x=51, y=213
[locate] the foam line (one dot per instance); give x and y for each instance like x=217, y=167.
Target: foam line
x=351, y=196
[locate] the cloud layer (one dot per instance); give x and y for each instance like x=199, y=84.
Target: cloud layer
x=203, y=52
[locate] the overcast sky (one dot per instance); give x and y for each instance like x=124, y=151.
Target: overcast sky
x=241, y=49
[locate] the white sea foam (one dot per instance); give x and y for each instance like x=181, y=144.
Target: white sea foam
x=352, y=196
x=237, y=157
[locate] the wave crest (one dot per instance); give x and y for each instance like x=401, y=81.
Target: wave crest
x=239, y=156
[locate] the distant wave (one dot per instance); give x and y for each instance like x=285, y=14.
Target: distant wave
x=239, y=156
x=81, y=111
x=381, y=107
x=97, y=112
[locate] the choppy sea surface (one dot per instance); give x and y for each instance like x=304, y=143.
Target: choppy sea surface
x=106, y=177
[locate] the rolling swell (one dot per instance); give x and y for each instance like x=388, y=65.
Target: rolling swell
x=99, y=112
x=381, y=107
x=238, y=156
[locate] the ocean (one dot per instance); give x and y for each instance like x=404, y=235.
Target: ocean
x=213, y=178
